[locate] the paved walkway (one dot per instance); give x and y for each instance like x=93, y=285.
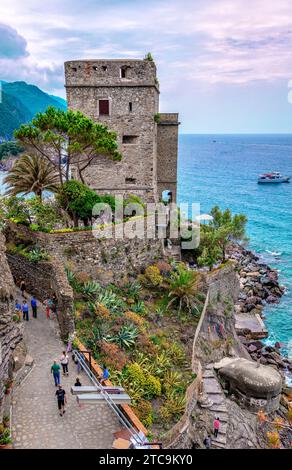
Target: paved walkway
x=36, y=423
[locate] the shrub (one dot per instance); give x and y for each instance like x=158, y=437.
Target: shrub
x=176, y=354
x=144, y=412
x=152, y=276
x=150, y=385
x=38, y=254
x=90, y=289
x=136, y=319
x=125, y=337
x=139, y=307
x=173, y=407
x=112, y=355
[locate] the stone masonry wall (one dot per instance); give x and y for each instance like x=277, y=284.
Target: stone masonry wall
x=10, y=332
x=167, y=147
x=104, y=259
x=133, y=102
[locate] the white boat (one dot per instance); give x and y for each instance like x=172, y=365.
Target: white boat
x=273, y=177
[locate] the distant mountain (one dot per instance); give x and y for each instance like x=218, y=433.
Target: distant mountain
x=20, y=102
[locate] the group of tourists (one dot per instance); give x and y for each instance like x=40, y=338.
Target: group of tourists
x=23, y=308
x=56, y=371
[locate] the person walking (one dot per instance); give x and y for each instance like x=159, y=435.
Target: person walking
x=207, y=442
x=62, y=400
x=17, y=309
x=216, y=426
x=55, y=370
x=34, y=306
x=47, y=305
x=23, y=288
x=25, y=315
x=64, y=363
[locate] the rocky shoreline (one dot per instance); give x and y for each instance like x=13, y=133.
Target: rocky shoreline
x=259, y=286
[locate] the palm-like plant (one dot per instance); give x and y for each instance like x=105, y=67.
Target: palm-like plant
x=31, y=174
x=183, y=287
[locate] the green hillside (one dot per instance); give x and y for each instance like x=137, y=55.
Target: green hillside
x=20, y=102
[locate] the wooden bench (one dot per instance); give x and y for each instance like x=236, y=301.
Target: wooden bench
x=97, y=398
x=92, y=389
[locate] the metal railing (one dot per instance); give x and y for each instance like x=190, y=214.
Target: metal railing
x=115, y=408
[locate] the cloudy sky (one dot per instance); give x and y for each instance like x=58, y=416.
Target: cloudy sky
x=225, y=65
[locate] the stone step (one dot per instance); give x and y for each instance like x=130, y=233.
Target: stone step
x=216, y=398
x=220, y=439
x=209, y=367
x=211, y=386
x=208, y=374
x=219, y=407
x=218, y=445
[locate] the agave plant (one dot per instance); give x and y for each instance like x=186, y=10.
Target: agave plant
x=158, y=365
x=133, y=289
x=38, y=254
x=171, y=380
x=90, y=289
x=139, y=308
x=125, y=338
x=72, y=280
x=111, y=301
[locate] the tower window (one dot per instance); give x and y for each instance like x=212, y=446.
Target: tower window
x=94, y=67
x=130, y=139
x=104, y=68
x=103, y=107
x=130, y=107
x=124, y=71
x=130, y=180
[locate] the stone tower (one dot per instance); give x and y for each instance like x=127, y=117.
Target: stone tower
x=124, y=95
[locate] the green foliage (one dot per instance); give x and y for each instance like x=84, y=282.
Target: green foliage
x=5, y=436
x=8, y=149
x=31, y=174
x=139, y=308
x=152, y=277
x=90, y=289
x=144, y=411
x=125, y=337
x=157, y=118
x=111, y=300
x=150, y=386
x=78, y=200
x=15, y=208
x=149, y=57
x=183, y=288
x=56, y=133
x=173, y=407
x=133, y=289
x=227, y=227
x=37, y=254
x=45, y=213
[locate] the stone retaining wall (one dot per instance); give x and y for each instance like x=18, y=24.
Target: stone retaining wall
x=104, y=259
x=10, y=332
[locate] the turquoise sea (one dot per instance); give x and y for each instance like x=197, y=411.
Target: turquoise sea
x=223, y=170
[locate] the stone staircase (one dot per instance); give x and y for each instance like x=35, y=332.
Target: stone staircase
x=217, y=405
x=173, y=252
